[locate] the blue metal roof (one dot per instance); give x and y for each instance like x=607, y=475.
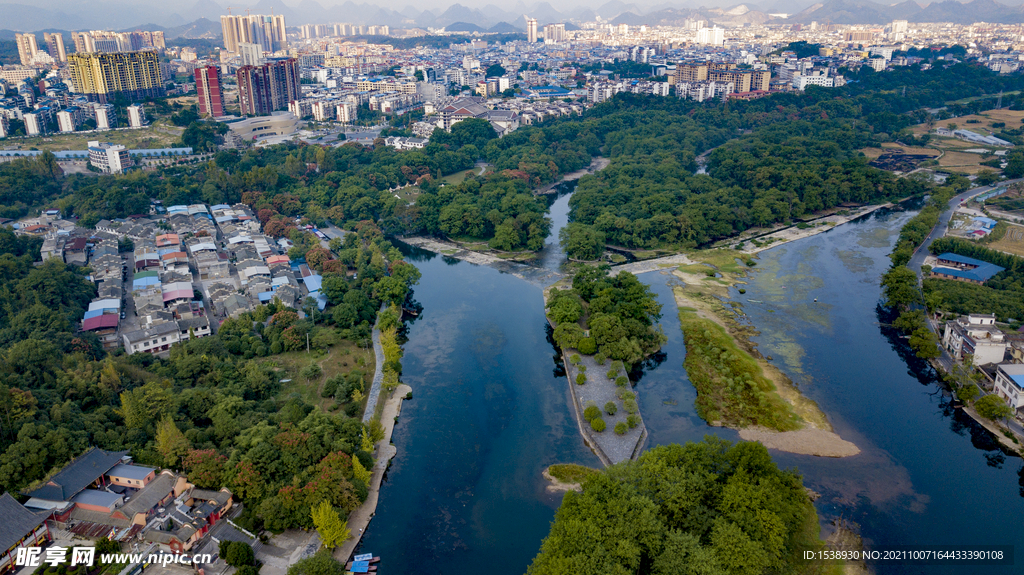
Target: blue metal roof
x=313, y=282
x=951, y=257
x=981, y=273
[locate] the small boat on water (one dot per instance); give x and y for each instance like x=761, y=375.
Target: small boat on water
x=755, y=301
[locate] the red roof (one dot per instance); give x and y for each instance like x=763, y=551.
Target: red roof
x=100, y=322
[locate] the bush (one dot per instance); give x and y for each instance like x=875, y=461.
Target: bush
x=588, y=346
x=572, y=473
x=574, y=359
x=597, y=424
x=582, y=368
x=630, y=406
x=600, y=358
x=612, y=373
x=610, y=408
x=621, y=381
x=633, y=421
x=591, y=412
x=580, y=379
x=620, y=428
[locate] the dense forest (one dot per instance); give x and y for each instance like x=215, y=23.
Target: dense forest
x=708, y=508
x=216, y=408
x=606, y=316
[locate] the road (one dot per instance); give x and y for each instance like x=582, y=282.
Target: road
x=940, y=228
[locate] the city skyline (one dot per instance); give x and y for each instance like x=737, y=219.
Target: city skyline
x=78, y=15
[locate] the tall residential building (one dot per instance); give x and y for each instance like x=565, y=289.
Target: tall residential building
x=5, y=127
x=251, y=54
x=211, y=100
x=267, y=31
x=136, y=116
x=35, y=124
x=531, y=29
x=27, y=48
x=554, y=32
x=106, y=116
x=264, y=89
x=109, y=158
x=136, y=75
x=711, y=36
x=83, y=42
x=55, y=46
x=687, y=73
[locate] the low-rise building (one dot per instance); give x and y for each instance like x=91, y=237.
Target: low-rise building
x=109, y=158
x=975, y=335
x=962, y=268
x=156, y=339
x=1009, y=384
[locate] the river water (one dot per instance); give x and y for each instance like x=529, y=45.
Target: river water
x=491, y=410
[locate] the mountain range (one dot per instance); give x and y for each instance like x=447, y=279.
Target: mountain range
x=188, y=20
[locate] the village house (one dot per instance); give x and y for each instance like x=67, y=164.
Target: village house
x=975, y=335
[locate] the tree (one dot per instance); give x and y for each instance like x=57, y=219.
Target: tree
x=993, y=407
x=323, y=563
x=597, y=424
x=171, y=442
x=359, y=472
x=494, y=71
x=621, y=428
x=205, y=468
x=237, y=553
x=333, y=531
x=610, y=408
x=591, y=412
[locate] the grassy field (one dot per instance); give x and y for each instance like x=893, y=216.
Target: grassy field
x=963, y=162
x=157, y=136
x=342, y=359
x=1012, y=241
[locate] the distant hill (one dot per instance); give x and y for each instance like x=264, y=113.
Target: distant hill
x=463, y=27
x=867, y=12
x=504, y=28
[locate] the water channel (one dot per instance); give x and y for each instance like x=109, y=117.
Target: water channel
x=491, y=410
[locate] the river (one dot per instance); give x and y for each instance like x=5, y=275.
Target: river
x=490, y=411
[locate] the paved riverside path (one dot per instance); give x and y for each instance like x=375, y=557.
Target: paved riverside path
x=378, y=377
x=360, y=518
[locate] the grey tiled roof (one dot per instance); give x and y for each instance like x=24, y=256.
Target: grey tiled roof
x=16, y=521
x=77, y=475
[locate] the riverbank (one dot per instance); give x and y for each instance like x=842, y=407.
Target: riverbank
x=800, y=425
x=557, y=485
x=756, y=242
x=596, y=165
x=535, y=275
x=359, y=519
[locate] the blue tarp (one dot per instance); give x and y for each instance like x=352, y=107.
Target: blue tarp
x=360, y=567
